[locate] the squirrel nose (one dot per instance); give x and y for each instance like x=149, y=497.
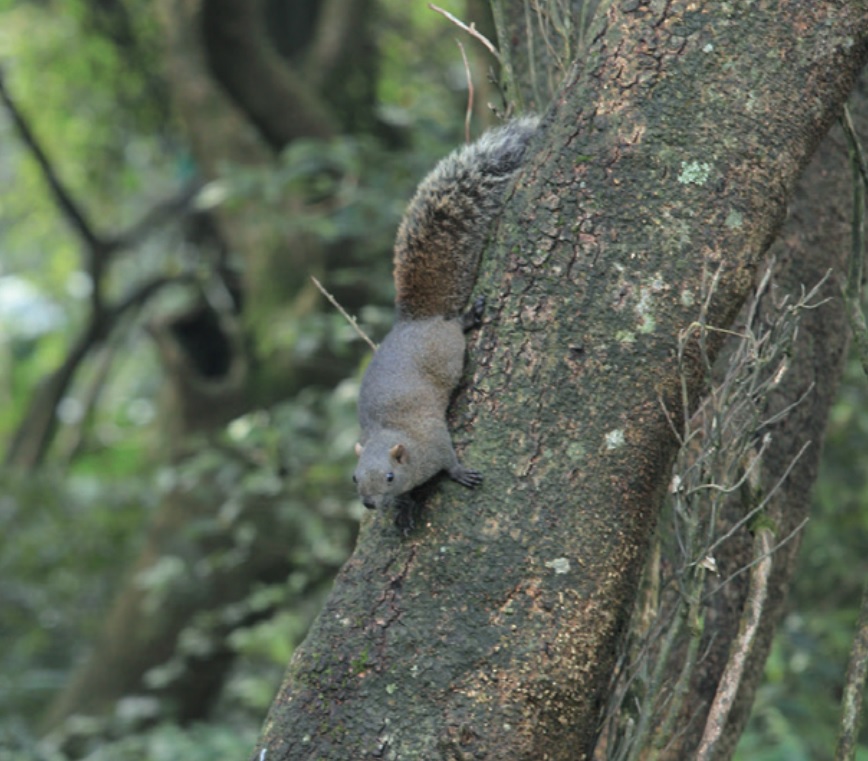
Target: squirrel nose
x=369, y=502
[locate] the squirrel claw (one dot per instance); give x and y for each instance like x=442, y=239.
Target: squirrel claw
x=466, y=476
x=472, y=318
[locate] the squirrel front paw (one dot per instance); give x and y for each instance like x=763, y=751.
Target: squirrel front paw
x=465, y=476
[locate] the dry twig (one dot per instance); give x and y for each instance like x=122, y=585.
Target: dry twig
x=469, y=112
x=351, y=320
x=471, y=30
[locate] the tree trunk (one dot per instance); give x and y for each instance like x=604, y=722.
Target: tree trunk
x=659, y=181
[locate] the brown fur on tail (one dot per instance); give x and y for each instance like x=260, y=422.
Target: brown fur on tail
x=448, y=222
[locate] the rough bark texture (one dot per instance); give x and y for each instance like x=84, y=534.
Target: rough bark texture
x=491, y=632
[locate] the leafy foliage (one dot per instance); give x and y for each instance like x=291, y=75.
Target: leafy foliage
x=65, y=540
x=89, y=78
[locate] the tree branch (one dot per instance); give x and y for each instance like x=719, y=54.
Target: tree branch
x=281, y=105
x=857, y=668
x=730, y=680
x=338, y=25
x=74, y=214
x=98, y=248
x=159, y=214
x=33, y=436
x=854, y=687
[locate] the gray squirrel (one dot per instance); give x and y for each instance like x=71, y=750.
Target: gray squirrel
x=406, y=389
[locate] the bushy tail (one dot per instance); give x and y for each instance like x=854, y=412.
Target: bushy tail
x=449, y=220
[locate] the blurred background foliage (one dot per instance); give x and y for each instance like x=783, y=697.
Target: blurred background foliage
x=93, y=80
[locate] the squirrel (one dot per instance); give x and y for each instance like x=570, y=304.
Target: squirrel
x=407, y=386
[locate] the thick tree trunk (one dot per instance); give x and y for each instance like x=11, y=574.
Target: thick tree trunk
x=668, y=158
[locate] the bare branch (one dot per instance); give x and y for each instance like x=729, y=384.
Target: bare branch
x=334, y=40
x=741, y=647
x=161, y=213
x=853, y=286
x=279, y=102
x=72, y=211
x=36, y=429
x=469, y=112
x=857, y=668
x=471, y=30
x=139, y=295
x=351, y=320
x=31, y=439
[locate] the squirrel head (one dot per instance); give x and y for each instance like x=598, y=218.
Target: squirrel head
x=382, y=474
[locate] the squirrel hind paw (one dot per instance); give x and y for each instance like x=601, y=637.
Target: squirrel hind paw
x=465, y=476
x=472, y=318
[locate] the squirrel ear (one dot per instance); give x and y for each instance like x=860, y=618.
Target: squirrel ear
x=358, y=449
x=399, y=453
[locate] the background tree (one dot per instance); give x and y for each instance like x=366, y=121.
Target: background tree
x=207, y=157
x=240, y=330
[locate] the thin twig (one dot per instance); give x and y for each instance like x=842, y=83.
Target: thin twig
x=471, y=30
x=853, y=287
x=855, y=144
x=469, y=112
x=762, y=504
x=351, y=320
x=143, y=291
x=789, y=537
x=741, y=649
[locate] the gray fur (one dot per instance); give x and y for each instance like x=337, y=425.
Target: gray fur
x=407, y=386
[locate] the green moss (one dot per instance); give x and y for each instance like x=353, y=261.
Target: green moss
x=360, y=664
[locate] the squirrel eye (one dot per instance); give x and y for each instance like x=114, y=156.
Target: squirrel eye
x=390, y=476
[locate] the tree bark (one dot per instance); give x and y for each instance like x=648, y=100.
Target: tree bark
x=668, y=156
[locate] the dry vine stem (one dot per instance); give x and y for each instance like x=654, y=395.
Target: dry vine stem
x=719, y=466
x=731, y=678
x=469, y=110
x=857, y=667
